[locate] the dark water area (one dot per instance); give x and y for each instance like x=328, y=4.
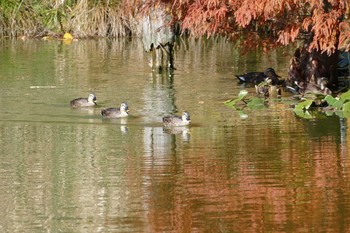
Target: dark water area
x=69, y=170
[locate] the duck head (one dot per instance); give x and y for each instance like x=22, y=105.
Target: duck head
x=322, y=82
x=270, y=73
x=186, y=117
x=124, y=107
x=92, y=98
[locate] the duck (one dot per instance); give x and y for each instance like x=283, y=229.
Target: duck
x=258, y=77
x=116, y=112
x=266, y=90
x=84, y=102
x=318, y=88
x=174, y=120
x=313, y=88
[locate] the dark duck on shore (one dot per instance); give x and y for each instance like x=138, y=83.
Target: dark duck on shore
x=258, y=77
x=84, y=102
x=318, y=88
x=116, y=112
x=183, y=120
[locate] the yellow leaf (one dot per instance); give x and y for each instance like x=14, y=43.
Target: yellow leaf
x=67, y=36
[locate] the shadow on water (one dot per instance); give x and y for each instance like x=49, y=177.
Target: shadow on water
x=324, y=126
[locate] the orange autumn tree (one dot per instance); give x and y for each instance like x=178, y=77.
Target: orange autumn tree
x=323, y=24
x=285, y=20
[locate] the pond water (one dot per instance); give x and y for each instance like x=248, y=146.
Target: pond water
x=68, y=170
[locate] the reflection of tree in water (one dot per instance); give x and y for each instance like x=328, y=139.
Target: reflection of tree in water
x=159, y=149
x=321, y=127
x=159, y=96
x=159, y=100
x=331, y=126
x=343, y=135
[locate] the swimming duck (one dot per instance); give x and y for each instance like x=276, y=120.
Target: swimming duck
x=177, y=120
x=116, y=112
x=258, y=77
x=84, y=102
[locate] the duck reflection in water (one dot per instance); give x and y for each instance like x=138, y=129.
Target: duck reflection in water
x=121, y=121
x=123, y=128
x=183, y=130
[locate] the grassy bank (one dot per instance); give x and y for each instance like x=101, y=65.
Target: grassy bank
x=82, y=18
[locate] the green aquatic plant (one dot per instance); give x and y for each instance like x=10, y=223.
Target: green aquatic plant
x=301, y=109
x=341, y=103
x=312, y=106
x=328, y=104
x=304, y=105
x=242, y=101
x=240, y=98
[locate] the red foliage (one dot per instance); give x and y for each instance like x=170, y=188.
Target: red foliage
x=327, y=22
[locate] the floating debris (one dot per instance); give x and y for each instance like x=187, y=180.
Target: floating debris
x=42, y=87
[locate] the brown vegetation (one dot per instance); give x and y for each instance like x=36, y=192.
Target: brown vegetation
x=326, y=22
x=83, y=18
x=324, y=26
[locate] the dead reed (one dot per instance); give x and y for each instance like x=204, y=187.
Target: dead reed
x=82, y=18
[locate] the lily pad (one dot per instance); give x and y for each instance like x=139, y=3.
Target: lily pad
x=243, y=115
x=303, y=114
x=346, y=110
x=338, y=104
x=231, y=102
x=305, y=105
x=345, y=96
x=242, y=94
x=256, y=103
x=340, y=114
x=234, y=101
x=330, y=100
